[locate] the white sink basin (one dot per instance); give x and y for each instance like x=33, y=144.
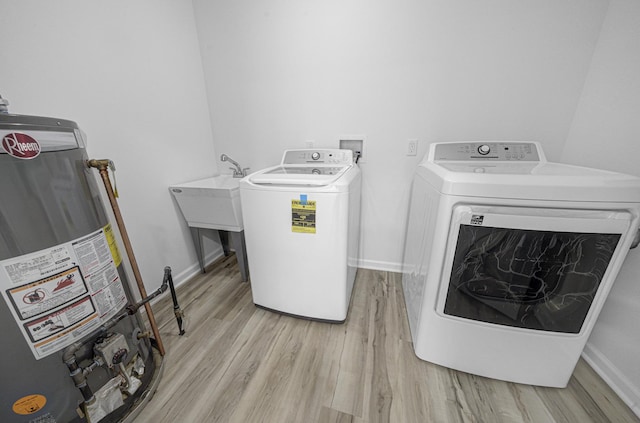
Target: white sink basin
x=212, y=203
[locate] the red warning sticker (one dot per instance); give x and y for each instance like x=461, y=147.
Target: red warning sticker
x=21, y=146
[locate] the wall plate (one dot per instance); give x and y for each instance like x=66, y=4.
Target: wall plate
x=354, y=143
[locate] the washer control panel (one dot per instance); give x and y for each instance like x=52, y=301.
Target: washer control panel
x=319, y=156
x=493, y=151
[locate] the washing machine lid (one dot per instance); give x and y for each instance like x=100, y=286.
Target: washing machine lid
x=307, y=175
x=308, y=167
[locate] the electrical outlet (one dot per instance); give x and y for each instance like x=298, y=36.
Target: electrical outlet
x=412, y=147
x=309, y=143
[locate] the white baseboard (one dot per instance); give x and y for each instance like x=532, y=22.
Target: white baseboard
x=620, y=384
x=194, y=269
x=386, y=266
x=191, y=271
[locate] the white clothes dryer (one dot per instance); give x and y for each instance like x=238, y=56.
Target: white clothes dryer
x=302, y=230
x=509, y=258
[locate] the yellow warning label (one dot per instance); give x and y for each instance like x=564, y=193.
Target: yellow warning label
x=303, y=216
x=111, y=240
x=29, y=404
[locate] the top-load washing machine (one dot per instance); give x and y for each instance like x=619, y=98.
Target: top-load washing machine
x=302, y=226
x=509, y=258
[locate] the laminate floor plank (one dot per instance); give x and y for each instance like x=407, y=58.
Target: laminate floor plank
x=597, y=393
x=271, y=380
x=247, y=354
x=329, y=415
x=239, y=363
x=529, y=405
x=350, y=386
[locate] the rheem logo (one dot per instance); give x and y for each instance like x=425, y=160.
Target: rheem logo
x=21, y=146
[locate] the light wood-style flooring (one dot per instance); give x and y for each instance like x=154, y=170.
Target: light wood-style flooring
x=239, y=363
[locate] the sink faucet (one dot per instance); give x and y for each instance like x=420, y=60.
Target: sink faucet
x=238, y=172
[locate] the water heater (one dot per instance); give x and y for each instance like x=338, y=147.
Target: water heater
x=70, y=352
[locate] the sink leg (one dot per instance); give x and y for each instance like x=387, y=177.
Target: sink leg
x=237, y=238
x=197, y=241
x=224, y=241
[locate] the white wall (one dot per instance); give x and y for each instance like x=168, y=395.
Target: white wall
x=130, y=74
x=606, y=134
x=280, y=72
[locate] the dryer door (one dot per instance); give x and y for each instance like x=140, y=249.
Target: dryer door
x=541, y=269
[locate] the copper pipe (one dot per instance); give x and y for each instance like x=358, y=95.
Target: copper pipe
x=102, y=166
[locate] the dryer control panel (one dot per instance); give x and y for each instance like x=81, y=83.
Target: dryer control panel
x=318, y=156
x=487, y=151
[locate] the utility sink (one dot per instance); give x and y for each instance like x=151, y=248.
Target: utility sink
x=212, y=203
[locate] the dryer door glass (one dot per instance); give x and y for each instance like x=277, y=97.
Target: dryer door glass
x=534, y=279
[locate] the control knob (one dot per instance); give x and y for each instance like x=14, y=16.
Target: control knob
x=119, y=356
x=315, y=155
x=484, y=149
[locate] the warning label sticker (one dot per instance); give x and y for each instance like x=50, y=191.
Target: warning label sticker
x=111, y=239
x=61, y=319
x=29, y=404
x=303, y=216
x=35, y=298
x=60, y=294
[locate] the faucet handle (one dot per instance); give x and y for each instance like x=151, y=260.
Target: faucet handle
x=239, y=173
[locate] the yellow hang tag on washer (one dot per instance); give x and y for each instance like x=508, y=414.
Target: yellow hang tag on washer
x=303, y=216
